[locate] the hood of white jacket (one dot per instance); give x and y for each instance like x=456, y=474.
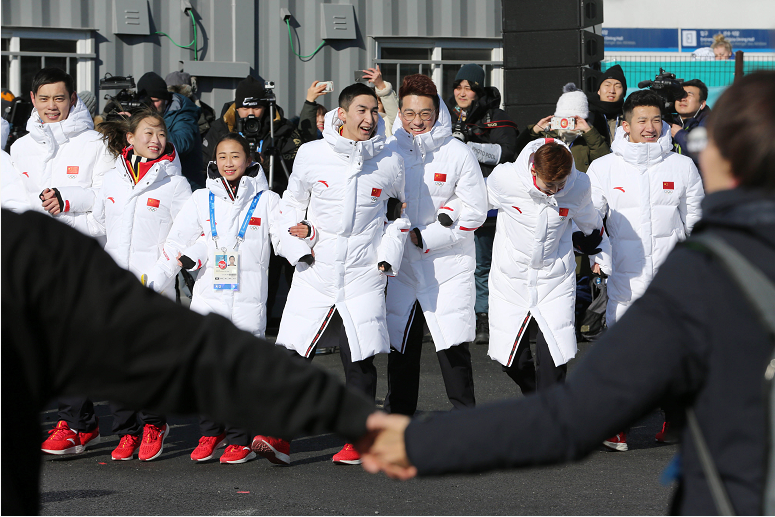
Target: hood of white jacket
x=433, y=139
x=522, y=165
x=344, y=146
x=642, y=155
x=78, y=120
x=253, y=182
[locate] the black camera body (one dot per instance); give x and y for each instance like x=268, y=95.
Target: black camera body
x=251, y=127
x=460, y=131
x=126, y=100
x=668, y=87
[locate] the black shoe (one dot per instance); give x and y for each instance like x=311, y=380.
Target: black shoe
x=482, y=329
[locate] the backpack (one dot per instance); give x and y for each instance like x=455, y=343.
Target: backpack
x=760, y=293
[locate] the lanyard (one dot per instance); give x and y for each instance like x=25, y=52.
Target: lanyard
x=243, y=228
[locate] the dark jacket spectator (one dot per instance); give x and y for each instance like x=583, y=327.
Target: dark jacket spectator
x=605, y=106
x=156, y=355
x=184, y=84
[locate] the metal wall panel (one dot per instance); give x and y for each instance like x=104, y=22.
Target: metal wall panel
x=253, y=32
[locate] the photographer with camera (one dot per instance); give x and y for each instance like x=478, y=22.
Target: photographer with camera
x=181, y=116
x=478, y=122
x=249, y=116
x=62, y=159
x=585, y=141
x=691, y=112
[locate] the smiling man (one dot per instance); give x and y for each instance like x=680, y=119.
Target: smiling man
x=651, y=197
x=334, y=210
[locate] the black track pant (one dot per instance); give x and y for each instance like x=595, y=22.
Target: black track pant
x=534, y=373
x=404, y=372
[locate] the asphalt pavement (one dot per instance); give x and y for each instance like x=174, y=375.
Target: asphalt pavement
x=606, y=483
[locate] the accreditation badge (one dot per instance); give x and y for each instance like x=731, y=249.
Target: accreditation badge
x=226, y=270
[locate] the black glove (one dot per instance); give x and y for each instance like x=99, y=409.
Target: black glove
x=588, y=244
x=393, y=209
x=307, y=259
x=445, y=220
x=419, y=237
x=186, y=262
x=385, y=266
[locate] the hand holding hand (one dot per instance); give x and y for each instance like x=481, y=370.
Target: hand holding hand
x=51, y=201
x=316, y=90
x=596, y=268
x=542, y=125
x=301, y=230
x=383, y=448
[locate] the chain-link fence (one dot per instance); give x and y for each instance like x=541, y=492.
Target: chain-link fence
x=712, y=73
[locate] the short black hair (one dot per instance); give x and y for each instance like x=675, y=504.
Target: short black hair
x=353, y=91
x=51, y=75
x=698, y=84
x=641, y=98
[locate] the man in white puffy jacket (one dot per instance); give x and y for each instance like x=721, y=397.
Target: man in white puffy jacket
x=539, y=198
x=436, y=284
x=335, y=208
x=651, y=197
x=13, y=195
x=62, y=159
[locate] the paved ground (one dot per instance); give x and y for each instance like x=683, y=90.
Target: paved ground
x=606, y=483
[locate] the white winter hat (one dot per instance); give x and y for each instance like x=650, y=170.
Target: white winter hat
x=572, y=103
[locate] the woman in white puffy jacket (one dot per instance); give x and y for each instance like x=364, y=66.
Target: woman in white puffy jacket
x=539, y=197
x=134, y=210
x=436, y=284
x=229, y=222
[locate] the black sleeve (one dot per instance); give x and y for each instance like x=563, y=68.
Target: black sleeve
x=308, y=126
x=524, y=138
x=658, y=348
x=506, y=137
x=86, y=326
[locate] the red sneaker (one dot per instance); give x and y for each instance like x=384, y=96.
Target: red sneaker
x=617, y=443
x=274, y=449
x=62, y=440
x=207, y=445
x=237, y=454
x=347, y=456
x=153, y=442
x=126, y=448
x=667, y=435
x=90, y=438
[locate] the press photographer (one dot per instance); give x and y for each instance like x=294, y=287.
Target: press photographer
x=249, y=116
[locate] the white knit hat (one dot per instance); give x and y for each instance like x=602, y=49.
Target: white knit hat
x=572, y=103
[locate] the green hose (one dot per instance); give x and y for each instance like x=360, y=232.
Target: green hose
x=288, y=23
x=191, y=45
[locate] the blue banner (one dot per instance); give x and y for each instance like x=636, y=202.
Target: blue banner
x=747, y=40
x=649, y=40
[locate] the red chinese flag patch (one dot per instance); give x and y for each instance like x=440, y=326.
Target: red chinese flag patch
x=153, y=202
x=668, y=185
x=563, y=212
x=72, y=169
x=255, y=221
x=439, y=177
x=376, y=192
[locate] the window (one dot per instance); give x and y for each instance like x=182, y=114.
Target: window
x=439, y=60
x=26, y=51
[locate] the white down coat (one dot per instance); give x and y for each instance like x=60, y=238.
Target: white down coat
x=67, y=155
x=341, y=187
x=533, y=271
x=441, y=274
x=191, y=236
x=652, y=197
x=137, y=218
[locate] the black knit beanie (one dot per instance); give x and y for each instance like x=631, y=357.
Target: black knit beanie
x=154, y=86
x=250, y=91
x=615, y=72
x=472, y=73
